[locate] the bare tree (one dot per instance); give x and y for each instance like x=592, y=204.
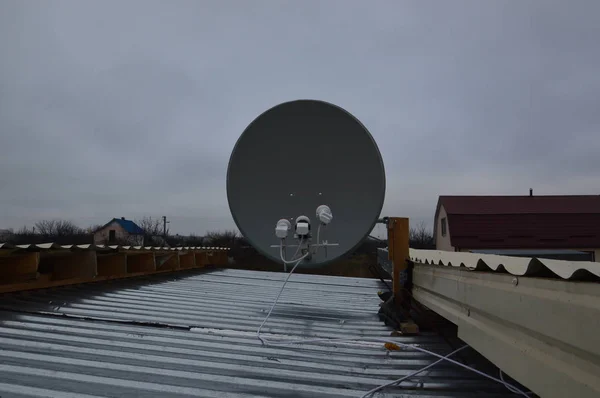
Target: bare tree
x=45, y=227
x=194, y=240
x=57, y=231
x=153, y=231
x=150, y=226
x=420, y=237
x=92, y=228
x=67, y=228
x=228, y=238
x=25, y=231
x=57, y=228
x=22, y=236
x=6, y=234
x=181, y=240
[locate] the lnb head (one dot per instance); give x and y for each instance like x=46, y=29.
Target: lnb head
x=282, y=228
x=302, y=227
x=324, y=214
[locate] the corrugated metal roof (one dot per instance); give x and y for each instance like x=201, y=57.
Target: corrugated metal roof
x=195, y=336
x=513, y=222
x=519, y=266
x=533, y=231
x=56, y=246
x=536, y=204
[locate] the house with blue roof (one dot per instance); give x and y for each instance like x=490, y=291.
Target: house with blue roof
x=119, y=231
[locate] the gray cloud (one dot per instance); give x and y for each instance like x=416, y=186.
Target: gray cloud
x=131, y=108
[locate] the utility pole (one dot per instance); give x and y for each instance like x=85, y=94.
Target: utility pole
x=165, y=222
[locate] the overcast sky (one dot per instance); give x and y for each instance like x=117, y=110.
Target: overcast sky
x=131, y=108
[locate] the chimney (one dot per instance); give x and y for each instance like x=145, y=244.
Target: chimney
x=530, y=192
x=122, y=218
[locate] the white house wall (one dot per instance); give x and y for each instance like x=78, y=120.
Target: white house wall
x=443, y=242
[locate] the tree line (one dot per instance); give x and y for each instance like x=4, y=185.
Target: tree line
x=67, y=232
x=421, y=237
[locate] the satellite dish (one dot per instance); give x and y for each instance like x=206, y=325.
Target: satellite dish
x=305, y=180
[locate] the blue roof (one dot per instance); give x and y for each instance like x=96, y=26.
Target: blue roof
x=129, y=226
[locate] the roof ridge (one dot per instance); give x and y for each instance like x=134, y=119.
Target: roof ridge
x=520, y=196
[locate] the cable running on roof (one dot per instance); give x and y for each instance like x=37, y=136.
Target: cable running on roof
x=441, y=358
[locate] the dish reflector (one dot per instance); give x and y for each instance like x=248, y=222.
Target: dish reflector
x=290, y=160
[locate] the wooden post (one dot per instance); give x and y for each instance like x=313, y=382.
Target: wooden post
x=398, y=250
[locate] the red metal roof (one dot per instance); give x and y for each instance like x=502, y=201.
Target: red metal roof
x=580, y=204
x=532, y=222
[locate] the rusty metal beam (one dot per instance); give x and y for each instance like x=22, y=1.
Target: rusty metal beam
x=398, y=230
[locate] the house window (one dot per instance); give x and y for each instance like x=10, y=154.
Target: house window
x=444, y=226
x=112, y=235
x=591, y=255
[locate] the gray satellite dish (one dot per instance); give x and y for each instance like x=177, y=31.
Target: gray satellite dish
x=290, y=160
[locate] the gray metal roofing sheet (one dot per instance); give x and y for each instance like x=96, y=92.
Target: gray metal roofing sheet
x=193, y=334
x=518, y=266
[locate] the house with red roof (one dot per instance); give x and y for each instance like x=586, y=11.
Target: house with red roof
x=540, y=226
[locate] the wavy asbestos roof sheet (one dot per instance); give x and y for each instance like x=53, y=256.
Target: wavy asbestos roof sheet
x=167, y=336
x=56, y=246
x=518, y=266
